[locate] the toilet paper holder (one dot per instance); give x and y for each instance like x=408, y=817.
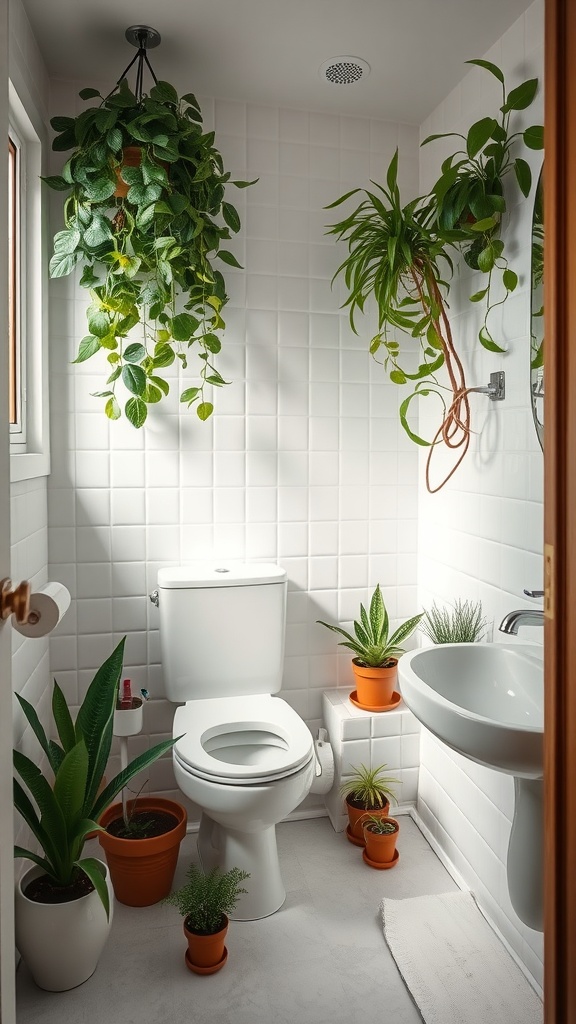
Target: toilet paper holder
x=16, y=601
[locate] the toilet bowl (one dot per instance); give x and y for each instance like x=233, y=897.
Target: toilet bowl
x=242, y=754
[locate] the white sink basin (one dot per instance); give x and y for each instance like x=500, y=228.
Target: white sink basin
x=486, y=701
x=483, y=700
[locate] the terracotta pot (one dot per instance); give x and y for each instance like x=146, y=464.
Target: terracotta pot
x=131, y=157
x=142, y=870
x=61, y=943
x=206, y=953
x=357, y=815
x=381, y=849
x=375, y=686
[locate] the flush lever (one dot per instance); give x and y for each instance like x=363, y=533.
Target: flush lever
x=534, y=593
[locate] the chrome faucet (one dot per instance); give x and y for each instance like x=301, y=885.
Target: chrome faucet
x=521, y=617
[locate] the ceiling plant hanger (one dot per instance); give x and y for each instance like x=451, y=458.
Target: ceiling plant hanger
x=145, y=218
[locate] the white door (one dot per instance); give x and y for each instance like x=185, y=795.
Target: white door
x=7, y=1010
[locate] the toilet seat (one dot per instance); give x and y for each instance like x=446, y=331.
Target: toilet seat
x=241, y=740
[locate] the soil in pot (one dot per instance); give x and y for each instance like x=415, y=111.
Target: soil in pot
x=357, y=814
x=43, y=890
x=142, y=866
x=143, y=825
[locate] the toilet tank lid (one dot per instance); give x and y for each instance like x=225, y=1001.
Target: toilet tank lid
x=220, y=574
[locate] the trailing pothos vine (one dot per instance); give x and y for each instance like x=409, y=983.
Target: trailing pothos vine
x=402, y=258
x=146, y=232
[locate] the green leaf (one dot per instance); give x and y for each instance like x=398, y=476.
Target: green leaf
x=492, y=68
x=403, y=413
x=229, y=258
x=134, y=353
x=521, y=97
x=134, y=379
x=487, y=341
x=93, y=869
x=523, y=175
x=88, y=347
x=100, y=189
x=88, y=94
x=36, y=725
x=163, y=92
x=231, y=217
x=534, y=137
x=56, y=182
x=160, y=383
x=212, y=343
x=65, y=242
x=510, y=279
x=70, y=783
x=52, y=819
x=485, y=224
x=151, y=395
x=112, y=409
x=246, y=184
x=88, y=278
x=67, y=140
x=397, y=377
x=392, y=172
x=63, y=719
x=204, y=410
x=479, y=134
x=62, y=124
x=405, y=630
x=183, y=326
x=163, y=356
x=486, y=259
x=190, y=395
x=114, y=140
x=98, y=322
x=98, y=232
x=135, y=766
x=478, y=296
x=95, y=719
x=136, y=412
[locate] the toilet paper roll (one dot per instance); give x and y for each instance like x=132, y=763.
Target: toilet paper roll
x=323, y=783
x=47, y=606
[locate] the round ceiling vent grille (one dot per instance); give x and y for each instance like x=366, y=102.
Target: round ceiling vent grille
x=344, y=70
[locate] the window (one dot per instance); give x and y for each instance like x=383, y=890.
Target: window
x=27, y=290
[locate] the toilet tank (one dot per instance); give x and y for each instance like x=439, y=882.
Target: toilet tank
x=222, y=629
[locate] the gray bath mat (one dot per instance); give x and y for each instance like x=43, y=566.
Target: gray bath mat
x=453, y=963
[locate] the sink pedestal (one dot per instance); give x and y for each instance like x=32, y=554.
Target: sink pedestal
x=526, y=853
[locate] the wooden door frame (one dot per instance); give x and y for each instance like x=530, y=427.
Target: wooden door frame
x=560, y=513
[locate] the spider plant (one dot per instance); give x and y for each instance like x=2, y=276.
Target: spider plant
x=372, y=644
x=380, y=826
x=462, y=624
x=369, y=787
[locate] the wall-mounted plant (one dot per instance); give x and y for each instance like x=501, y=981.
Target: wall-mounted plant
x=468, y=200
x=461, y=624
x=400, y=256
x=145, y=219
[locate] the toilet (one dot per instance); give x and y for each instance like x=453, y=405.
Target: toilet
x=243, y=755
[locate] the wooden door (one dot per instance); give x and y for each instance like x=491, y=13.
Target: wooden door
x=560, y=513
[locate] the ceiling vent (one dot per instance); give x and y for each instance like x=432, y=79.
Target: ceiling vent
x=344, y=70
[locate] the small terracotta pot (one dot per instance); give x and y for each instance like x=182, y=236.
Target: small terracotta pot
x=357, y=816
x=381, y=848
x=375, y=686
x=142, y=870
x=206, y=952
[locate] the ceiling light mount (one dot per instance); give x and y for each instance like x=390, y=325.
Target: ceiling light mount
x=344, y=70
x=143, y=38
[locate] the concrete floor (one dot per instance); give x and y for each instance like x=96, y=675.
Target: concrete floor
x=321, y=959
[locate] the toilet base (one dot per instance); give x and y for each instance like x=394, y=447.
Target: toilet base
x=254, y=852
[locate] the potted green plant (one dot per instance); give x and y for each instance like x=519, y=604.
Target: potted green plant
x=367, y=791
x=205, y=902
x=462, y=624
x=375, y=666
x=145, y=218
x=468, y=200
x=63, y=905
x=380, y=835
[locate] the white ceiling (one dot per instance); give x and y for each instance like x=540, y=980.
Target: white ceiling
x=269, y=51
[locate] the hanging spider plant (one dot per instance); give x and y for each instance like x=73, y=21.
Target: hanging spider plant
x=396, y=258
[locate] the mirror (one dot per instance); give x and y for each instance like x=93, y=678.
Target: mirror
x=537, y=312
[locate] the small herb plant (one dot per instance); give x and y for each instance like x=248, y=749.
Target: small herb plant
x=372, y=644
x=380, y=826
x=369, y=787
x=461, y=624
x=206, y=898
x=140, y=252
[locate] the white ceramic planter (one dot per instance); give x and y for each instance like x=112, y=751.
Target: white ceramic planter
x=129, y=721
x=61, y=943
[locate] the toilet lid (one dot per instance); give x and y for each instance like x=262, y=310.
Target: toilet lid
x=241, y=740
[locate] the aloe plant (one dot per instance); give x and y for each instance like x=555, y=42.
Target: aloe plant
x=68, y=801
x=372, y=644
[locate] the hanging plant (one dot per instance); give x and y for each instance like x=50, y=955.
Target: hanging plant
x=394, y=257
x=468, y=202
x=146, y=227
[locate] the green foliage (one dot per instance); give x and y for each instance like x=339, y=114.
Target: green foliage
x=468, y=200
x=372, y=644
x=369, y=787
x=67, y=801
x=206, y=897
x=141, y=252
x=462, y=624
x=380, y=826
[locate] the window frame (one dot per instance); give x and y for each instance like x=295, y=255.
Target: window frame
x=17, y=327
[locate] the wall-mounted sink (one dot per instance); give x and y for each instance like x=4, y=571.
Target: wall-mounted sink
x=486, y=701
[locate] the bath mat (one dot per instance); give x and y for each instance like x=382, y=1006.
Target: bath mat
x=453, y=963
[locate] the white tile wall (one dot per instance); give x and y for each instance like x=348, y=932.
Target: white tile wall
x=289, y=468
x=481, y=537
